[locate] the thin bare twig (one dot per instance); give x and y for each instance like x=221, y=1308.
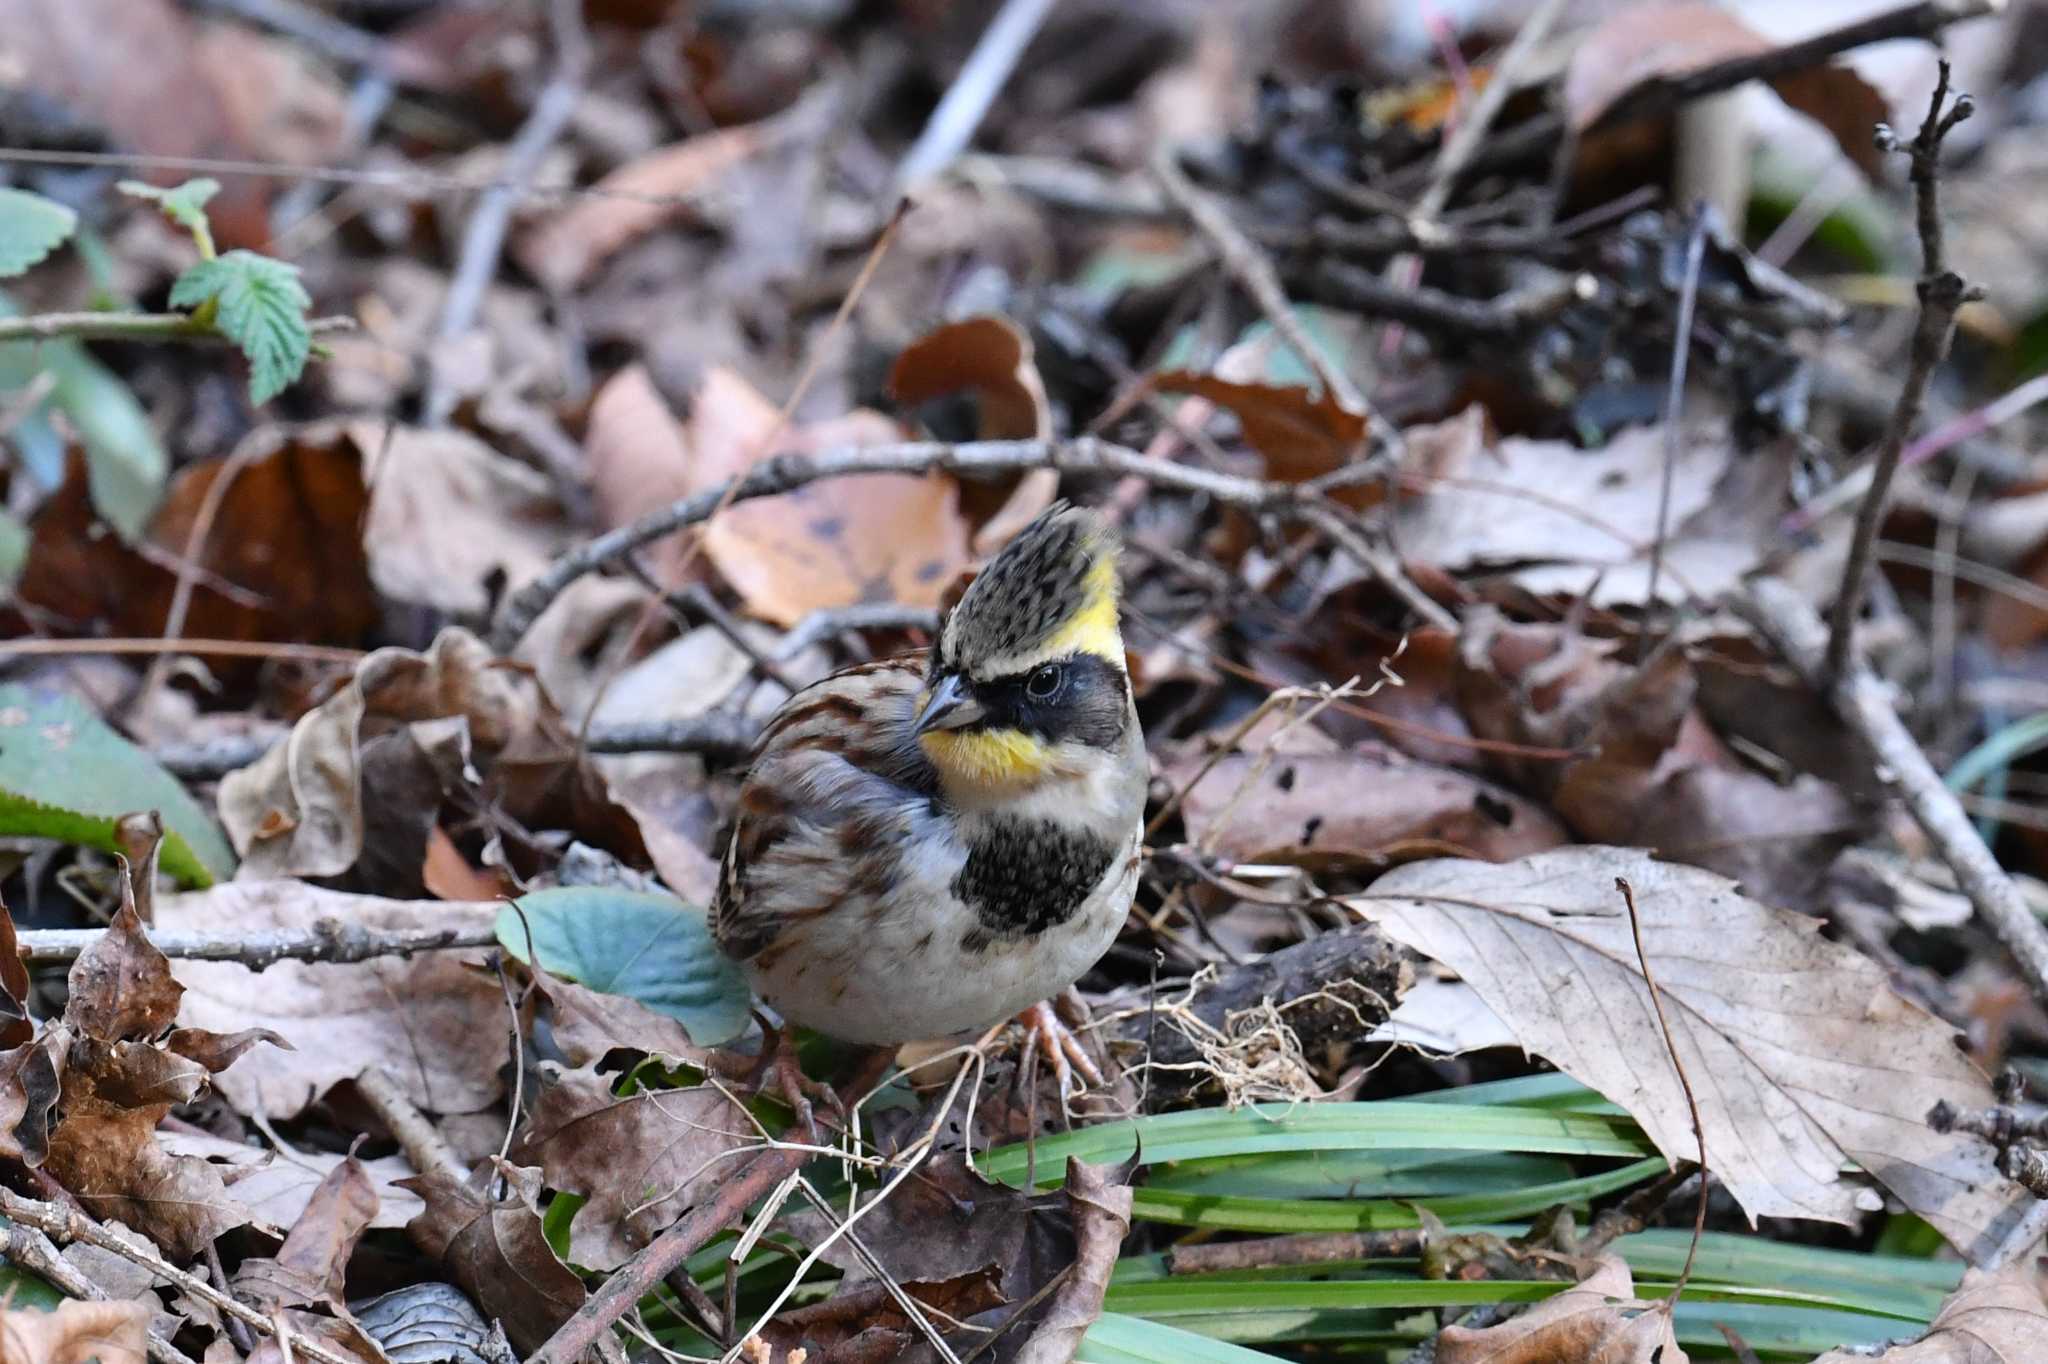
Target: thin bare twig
x=1941, y=291
x=1674, y=408
x=29, y=1249
x=1473, y=123
x=483, y=236
x=966, y=101
x=328, y=940
x=68, y=1224
x=416, y=1134
x=1864, y=705
x=1699, y=1129
x=652, y=1264
x=1249, y=267
x=135, y=327
x=974, y=459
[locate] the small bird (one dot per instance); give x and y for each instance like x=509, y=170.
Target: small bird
x=934, y=843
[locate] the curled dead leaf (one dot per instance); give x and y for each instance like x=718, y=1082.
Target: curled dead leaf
x=77, y=1332
x=1801, y=1054
x=496, y=1250
x=1599, y=1320
x=1995, y=1317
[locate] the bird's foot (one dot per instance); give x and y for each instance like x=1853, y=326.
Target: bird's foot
x=1060, y=1044
x=777, y=1070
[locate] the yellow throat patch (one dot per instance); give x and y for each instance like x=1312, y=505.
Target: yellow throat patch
x=988, y=759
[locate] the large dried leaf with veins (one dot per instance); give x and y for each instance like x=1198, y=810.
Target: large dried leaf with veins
x=1992, y=1319
x=1801, y=1054
x=435, y=1023
x=495, y=1249
x=641, y=1161
x=1598, y=1322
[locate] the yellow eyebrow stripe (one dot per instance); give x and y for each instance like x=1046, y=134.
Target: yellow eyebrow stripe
x=1093, y=628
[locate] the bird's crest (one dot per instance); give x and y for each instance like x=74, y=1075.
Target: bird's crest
x=1050, y=592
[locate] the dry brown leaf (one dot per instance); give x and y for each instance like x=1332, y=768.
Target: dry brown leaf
x=1301, y=433
x=563, y=250
x=1993, y=1318
x=282, y=562
x=16, y=1027
x=497, y=1251
x=438, y=1025
x=121, y=986
x=587, y=1023
x=77, y=1332
x=856, y=1323
x=1598, y=1322
x=1362, y=805
x=310, y=1266
x=1643, y=44
x=129, y=67
x=835, y=542
x=989, y=356
x=281, y=103
x=452, y=523
x=275, y=1187
x=1650, y=773
x=299, y=810
x=1801, y=1054
x=638, y=459
x=1557, y=519
x=30, y=1084
x=993, y=358
x=642, y=1161
x=1102, y=1218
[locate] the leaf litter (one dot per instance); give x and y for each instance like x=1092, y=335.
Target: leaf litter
x=438, y=1012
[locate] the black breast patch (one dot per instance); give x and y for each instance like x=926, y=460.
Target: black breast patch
x=1024, y=876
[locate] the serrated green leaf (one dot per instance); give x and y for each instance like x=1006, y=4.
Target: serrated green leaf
x=183, y=204
x=653, y=948
x=260, y=306
x=65, y=774
x=31, y=227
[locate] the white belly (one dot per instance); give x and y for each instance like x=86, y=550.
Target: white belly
x=903, y=971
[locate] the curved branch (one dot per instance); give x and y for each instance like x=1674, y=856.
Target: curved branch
x=974, y=459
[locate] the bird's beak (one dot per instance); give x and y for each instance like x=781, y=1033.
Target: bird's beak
x=952, y=706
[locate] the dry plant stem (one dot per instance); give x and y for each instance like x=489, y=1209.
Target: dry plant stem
x=1863, y=704
x=653, y=1263
x=416, y=1134
x=69, y=1225
x=29, y=1249
x=483, y=236
x=1699, y=1130
x=974, y=459
x=722, y=735
x=966, y=101
x=1941, y=292
x=188, y=567
x=131, y=326
x=1249, y=267
x=1333, y=522
x=1309, y=1248
x=1674, y=408
x=1921, y=20
x=1503, y=319
x=329, y=940
x=1473, y=123
x=215, y=648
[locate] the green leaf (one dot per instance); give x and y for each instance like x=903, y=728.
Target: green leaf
x=31, y=227
x=125, y=462
x=65, y=775
x=652, y=948
x=1119, y=1339
x=1383, y=1126
x=19, y=1288
x=183, y=204
x=261, y=307
x=14, y=541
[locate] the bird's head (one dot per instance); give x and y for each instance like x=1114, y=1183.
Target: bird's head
x=1027, y=679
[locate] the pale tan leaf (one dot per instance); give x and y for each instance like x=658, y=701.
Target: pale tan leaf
x=438, y=1025
x=1800, y=1053
x=75, y=1333
x=631, y=202
x=275, y=1188
x=1993, y=1318
x=1598, y=1322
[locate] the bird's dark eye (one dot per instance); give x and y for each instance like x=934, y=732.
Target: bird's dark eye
x=1044, y=682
